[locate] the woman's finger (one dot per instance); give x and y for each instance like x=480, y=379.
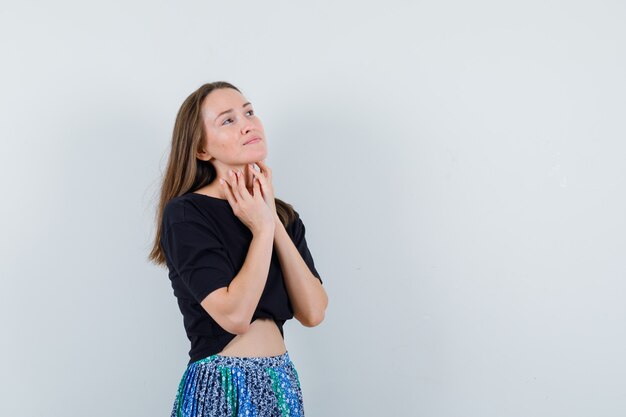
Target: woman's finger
x=256, y=187
x=263, y=184
x=267, y=171
x=242, y=191
x=252, y=170
x=260, y=176
x=234, y=186
x=229, y=194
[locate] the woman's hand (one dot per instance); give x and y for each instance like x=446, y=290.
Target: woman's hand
x=265, y=177
x=251, y=209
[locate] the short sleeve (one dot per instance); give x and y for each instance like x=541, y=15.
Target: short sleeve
x=299, y=240
x=198, y=257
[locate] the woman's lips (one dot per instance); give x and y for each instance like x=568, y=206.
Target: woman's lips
x=255, y=140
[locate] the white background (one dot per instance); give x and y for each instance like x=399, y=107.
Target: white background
x=459, y=167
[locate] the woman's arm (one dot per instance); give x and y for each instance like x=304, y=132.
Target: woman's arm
x=232, y=307
x=308, y=296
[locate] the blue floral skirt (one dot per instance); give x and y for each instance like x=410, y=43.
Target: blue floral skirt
x=232, y=386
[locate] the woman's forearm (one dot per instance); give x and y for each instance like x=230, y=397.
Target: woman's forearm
x=245, y=290
x=307, y=295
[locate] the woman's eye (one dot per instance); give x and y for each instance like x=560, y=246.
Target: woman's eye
x=225, y=120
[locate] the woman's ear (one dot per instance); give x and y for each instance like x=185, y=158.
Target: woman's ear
x=203, y=155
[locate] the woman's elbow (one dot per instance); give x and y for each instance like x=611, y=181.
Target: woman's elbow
x=313, y=319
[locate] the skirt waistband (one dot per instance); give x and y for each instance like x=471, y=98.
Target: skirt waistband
x=245, y=362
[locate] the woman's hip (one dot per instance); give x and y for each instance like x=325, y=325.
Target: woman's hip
x=220, y=385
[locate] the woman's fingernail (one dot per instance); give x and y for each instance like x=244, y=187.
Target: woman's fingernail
x=221, y=180
x=230, y=172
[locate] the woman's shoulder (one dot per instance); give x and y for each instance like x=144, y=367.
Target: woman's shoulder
x=192, y=207
x=295, y=224
x=174, y=210
x=182, y=208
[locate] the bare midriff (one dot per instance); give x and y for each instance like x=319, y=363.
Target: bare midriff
x=263, y=338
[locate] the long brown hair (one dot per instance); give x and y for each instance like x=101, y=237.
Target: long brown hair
x=184, y=172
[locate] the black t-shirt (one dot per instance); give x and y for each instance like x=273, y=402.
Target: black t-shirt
x=205, y=246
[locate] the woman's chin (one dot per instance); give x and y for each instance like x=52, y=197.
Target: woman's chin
x=257, y=156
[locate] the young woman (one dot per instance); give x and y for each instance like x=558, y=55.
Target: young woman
x=238, y=261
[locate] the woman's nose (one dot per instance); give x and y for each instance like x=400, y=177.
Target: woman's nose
x=246, y=125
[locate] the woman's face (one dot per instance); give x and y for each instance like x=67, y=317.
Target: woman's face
x=229, y=121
